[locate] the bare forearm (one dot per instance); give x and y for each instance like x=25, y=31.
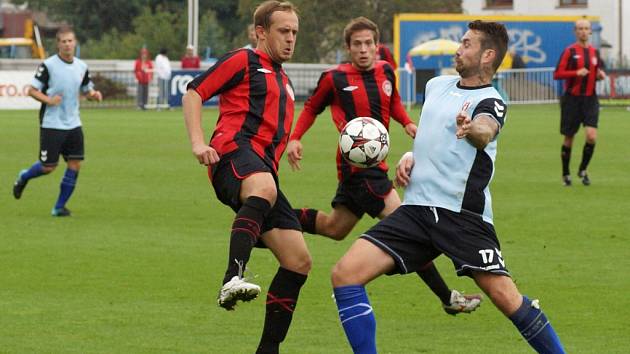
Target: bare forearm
x=38, y=95
x=481, y=133
x=192, y=115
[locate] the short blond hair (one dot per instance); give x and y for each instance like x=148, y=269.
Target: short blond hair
x=64, y=30
x=262, y=15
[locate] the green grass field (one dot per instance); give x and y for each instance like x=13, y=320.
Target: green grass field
x=137, y=267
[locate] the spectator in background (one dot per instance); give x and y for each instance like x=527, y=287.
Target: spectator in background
x=144, y=74
x=190, y=60
x=163, y=71
x=251, y=35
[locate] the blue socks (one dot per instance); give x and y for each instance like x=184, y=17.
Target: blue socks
x=34, y=171
x=67, y=187
x=536, y=329
x=357, y=318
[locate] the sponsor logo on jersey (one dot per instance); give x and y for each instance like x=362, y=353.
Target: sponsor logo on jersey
x=387, y=88
x=350, y=88
x=594, y=61
x=264, y=71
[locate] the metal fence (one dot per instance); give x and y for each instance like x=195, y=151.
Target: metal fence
x=119, y=87
x=517, y=86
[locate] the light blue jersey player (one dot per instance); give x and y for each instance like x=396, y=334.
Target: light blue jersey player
x=454, y=174
x=447, y=206
x=58, y=83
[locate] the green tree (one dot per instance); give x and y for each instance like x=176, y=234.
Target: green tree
x=212, y=35
x=153, y=30
x=322, y=21
x=91, y=19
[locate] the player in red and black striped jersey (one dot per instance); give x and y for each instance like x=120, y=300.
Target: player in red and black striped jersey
x=383, y=53
x=580, y=67
x=256, y=113
x=363, y=87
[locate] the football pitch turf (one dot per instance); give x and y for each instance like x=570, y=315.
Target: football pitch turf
x=137, y=267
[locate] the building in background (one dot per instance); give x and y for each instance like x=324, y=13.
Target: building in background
x=614, y=31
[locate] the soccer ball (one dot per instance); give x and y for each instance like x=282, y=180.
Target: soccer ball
x=364, y=142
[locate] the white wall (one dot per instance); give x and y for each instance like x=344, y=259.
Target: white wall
x=606, y=10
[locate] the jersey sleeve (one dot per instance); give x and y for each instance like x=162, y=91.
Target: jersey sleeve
x=41, y=77
x=314, y=105
x=562, y=71
x=228, y=72
x=396, y=109
x=493, y=107
x=87, y=85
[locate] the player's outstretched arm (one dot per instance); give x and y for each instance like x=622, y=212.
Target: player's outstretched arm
x=43, y=98
x=205, y=154
x=294, y=154
x=403, y=169
x=479, y=132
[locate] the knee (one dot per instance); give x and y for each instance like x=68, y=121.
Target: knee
x=301, y=264
x=341, y=275
x=337, y=233
x=506, y=300
x=269, y=193
x=48, y=169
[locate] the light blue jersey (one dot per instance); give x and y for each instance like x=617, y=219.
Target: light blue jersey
x=67, y=79
x=448, y=172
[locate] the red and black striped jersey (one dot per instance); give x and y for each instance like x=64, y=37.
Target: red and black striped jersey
x=256, y=104
x=353, y=93
x=385, y=54
x=572, y=59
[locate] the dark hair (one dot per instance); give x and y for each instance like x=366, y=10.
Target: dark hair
x=359, y=24
x=163, y=51
x=64, y=30
x=262, y=15
x=494, y=37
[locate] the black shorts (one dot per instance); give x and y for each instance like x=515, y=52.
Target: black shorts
x=576, y=110
x=414, y=235
x=53, y=142
x=364, y=193
x=229, y=172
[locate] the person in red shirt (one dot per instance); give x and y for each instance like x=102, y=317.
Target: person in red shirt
x=580, y=67
x=256, y=106
x=365, y=87
x=143, y=68
x=190, y=60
